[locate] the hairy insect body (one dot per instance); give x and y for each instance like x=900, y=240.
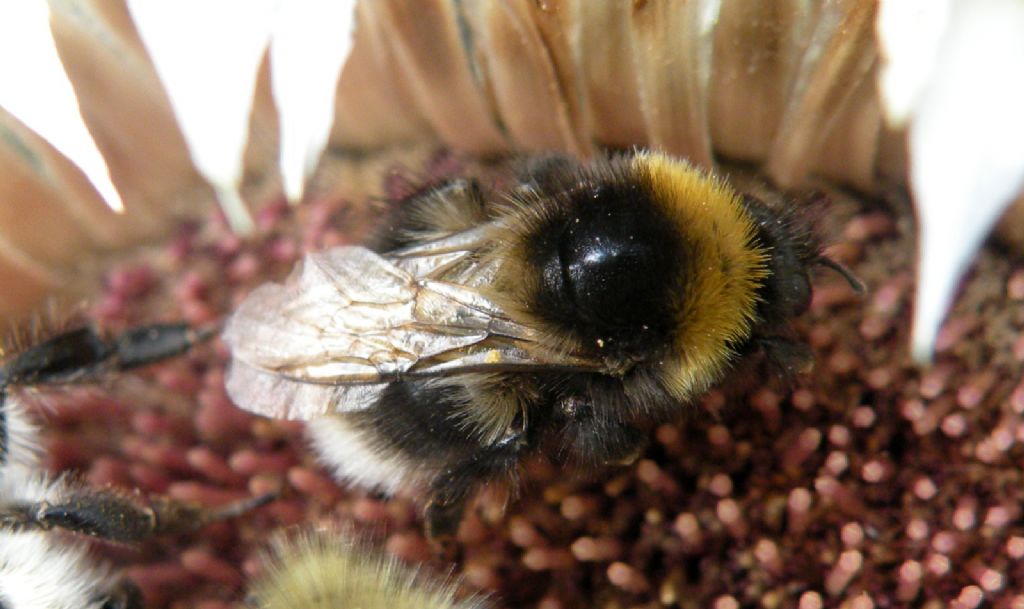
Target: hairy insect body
x=564, y=316
x=330, y=570
x=38, y=567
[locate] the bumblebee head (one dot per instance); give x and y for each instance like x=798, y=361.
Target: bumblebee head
x=785, y=292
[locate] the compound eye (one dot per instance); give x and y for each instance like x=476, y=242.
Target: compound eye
x=797, y=294
x=617, y=262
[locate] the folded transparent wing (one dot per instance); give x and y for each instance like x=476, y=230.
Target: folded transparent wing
x=349, y=321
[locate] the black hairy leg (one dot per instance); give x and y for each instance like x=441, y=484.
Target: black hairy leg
x=420, y=427
x=452, y=490
x=31, y=501
x=438, y=210
x=81, y=355
x=547, y=172
x=125, y=595
x=115, y=516
x=5, y=431
x=786, y=357
x=592, y=436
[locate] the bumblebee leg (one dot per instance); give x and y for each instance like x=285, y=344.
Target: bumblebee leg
x=149, y=344
x=547, y=172
x=125, y=595
x=80, y=355
x=592, y=437
x=5, y=428
x=175, y=517
x=114, y=516
x=462, y=194
x=451, y=491
x=442, y=523
x=64, y=358
x=786, y=357
x=448, y=207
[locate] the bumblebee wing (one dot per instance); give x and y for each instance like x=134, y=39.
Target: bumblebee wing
x=349, y=321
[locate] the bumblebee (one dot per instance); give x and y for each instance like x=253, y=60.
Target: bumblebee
x=325, y=569
x=39, y=568
x=563, y=316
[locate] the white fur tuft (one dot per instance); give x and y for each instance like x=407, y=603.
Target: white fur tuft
x=22, y=434
x=351, y=456
x=44, y=570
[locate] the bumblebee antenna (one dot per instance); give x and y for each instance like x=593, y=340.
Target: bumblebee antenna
x=856, y=284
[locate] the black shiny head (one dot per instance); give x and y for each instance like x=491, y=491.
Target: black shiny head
x=609, y=260
x=786, y=293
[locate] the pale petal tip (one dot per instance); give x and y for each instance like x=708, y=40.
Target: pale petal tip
x=927, y=320
x=941, y=260
x=235, y=210
x=947, y=246
x=937, y=280
x=294, y=173
x=293, y=190
x=109, y=193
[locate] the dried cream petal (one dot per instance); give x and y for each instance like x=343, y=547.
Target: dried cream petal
x=36, y=90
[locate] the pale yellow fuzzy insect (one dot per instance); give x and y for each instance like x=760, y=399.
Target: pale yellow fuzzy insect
x=330, y=569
